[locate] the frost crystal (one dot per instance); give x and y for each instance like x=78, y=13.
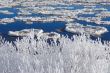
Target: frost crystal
x=77, y=55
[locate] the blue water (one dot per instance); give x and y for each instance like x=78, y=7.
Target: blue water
x=86, y=15
x=106, y=19
x=40, y=15
x=105, y=36
x=14, y=10
x=103, y=6
x=16, y=26
x=47, y=27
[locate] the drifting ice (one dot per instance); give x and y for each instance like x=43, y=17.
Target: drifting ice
x=92, y=30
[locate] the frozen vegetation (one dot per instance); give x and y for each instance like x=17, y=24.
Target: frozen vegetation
x=37, y=51
x=79, y=54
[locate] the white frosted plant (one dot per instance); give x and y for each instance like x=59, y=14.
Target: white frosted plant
x=79, y=54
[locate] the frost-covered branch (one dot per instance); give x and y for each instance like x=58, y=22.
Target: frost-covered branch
x=77, y=55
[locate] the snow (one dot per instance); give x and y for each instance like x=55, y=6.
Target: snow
x=91, y=30
x=79, y=54
x=26, y=32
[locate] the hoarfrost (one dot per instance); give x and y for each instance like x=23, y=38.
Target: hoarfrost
x=79, y=54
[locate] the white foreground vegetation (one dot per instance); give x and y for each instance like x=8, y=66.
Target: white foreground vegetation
x=77, y=55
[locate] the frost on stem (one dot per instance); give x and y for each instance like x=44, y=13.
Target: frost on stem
x=81, y=55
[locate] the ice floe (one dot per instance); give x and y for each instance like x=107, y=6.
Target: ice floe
x=80, y=29
x=26, y=32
